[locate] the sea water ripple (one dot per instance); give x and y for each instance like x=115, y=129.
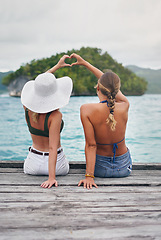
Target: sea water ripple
x=143, y=136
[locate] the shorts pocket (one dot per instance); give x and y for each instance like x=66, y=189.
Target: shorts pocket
x=31, y=167
x=123, y=172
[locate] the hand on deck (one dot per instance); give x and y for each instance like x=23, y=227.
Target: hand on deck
x=88, y=183
x=49, y=183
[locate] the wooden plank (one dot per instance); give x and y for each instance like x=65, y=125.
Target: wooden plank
x=145, y=173
x=69, y=216
x=100, y=196
x=105, y=232
x=20, y=170
x=85, y=207
x=73, y=179
x=81, y=165
x=11, y=208
x=82, y=171
x=71, y=189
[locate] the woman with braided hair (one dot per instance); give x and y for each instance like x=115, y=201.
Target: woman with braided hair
x=104, y=125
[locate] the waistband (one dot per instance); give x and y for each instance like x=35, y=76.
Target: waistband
x=33, y=150
x=117, y=158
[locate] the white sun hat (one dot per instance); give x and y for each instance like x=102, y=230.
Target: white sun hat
x=46, y=93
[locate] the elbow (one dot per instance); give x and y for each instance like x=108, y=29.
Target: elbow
x=52, y=150
x=91, y=145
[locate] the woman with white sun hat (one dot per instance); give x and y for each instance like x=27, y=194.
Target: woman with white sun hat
x=42, y=99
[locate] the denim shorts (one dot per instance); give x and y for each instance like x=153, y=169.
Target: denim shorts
x=106, y=168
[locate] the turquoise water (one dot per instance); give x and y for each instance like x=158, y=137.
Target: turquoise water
x=143, y=136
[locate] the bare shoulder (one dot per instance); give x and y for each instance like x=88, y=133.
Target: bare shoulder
x=122, y=106
x=87, y=108
x=55, y=116
x=122, y=101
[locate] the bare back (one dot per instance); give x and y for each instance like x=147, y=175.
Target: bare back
x=97, y=114
x=41, y=143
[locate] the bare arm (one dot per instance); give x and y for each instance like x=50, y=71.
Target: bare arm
x=120, y=98
x=90, y=149
x=80, y=61
x=60, y=64
x=98, y=73
x=54, y=141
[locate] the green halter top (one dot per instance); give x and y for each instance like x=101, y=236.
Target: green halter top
x=38, y=132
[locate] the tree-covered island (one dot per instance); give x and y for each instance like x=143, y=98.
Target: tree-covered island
x=83, y=80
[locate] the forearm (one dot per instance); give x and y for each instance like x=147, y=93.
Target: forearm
x=53, y=69
x=120, y=97
x=80, y=61
x=60, y=64
x=88, y=182
x=98, y=73
x=90, y=153
x=52, y=165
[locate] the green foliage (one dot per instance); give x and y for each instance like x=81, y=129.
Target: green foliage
x=83, y=80
x=153, y=77
x=2, y=75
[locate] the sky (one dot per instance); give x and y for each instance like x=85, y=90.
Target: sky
x=129, y=30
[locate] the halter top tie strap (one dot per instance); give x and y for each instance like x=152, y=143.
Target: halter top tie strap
x=105, y=101
x=115, y=145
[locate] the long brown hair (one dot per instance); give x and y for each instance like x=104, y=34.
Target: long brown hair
x=109, y=85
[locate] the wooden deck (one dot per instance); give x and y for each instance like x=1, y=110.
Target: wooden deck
x=120, y=209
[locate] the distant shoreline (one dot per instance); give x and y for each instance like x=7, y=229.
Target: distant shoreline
x=18, y=95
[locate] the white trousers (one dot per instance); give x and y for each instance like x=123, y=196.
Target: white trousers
x=36, y=164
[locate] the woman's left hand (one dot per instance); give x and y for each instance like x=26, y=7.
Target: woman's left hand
x=88, y=183
x=49, y=183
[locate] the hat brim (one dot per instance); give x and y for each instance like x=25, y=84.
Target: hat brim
x=57, y=100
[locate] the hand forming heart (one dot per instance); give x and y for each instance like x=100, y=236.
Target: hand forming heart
x=62, y=62
x=70, y=60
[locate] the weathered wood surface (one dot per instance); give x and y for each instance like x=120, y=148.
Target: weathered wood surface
x=127, y=208
x=78, y=165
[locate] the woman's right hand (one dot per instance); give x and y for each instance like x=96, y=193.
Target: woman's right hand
x=80, y=60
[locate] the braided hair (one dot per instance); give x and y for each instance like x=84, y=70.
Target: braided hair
x=109, y=85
